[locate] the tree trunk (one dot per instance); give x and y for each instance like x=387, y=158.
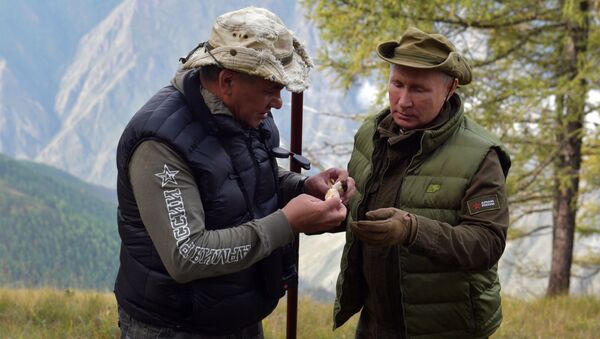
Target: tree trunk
x=564, y=220
x=570, y=114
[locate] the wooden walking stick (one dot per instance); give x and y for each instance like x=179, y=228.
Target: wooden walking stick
x=296, y=148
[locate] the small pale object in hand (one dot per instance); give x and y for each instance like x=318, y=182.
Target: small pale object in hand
x=335, y=190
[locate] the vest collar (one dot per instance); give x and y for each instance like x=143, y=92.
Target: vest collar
x=215, y=105
x=433, y=137
x=217, y=122
x=434, y=134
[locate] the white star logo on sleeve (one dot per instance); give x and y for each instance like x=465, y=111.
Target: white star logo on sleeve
x=167, y=176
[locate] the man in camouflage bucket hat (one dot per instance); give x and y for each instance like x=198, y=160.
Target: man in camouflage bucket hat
x=428, y=223
x=206, y=217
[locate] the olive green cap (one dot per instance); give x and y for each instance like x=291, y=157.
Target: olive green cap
x=418, y=49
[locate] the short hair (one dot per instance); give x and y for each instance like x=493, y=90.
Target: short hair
x=210, y=72
x=446, y=78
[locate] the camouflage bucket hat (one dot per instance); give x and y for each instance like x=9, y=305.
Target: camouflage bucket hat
x=255, y=41
x=418, y=49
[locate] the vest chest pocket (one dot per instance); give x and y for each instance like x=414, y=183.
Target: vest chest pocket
x=430, y=192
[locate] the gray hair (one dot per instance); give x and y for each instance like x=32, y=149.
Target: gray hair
x=210, y=72
x=446, y=78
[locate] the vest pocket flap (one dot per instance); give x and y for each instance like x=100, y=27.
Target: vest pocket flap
x=432, y=192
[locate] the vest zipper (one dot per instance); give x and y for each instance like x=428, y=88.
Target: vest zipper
x=402, y=305
x=256, y=168
x=374, y=176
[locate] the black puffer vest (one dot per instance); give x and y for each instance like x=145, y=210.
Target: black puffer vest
x=237, y=179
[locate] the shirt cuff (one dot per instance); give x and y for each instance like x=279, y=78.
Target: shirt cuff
x=278, y=228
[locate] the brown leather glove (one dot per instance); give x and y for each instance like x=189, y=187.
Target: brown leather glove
x=385, y=227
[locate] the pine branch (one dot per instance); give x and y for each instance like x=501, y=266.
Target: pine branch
x=502, y=20
x=529, y=198
x=529, y=178
x=533, y=232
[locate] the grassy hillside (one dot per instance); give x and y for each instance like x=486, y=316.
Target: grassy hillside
x=48, y=313
x=56, y=230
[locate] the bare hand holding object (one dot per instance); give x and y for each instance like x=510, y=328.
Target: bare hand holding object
x=319, y=184
x=308, y=214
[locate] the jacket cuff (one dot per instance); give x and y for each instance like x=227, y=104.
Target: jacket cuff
x=427, y=236
x=301, y=183
x=413, y=229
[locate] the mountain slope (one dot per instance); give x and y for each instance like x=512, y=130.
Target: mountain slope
x=38, y=39
x=56, y=230
x=25, y=126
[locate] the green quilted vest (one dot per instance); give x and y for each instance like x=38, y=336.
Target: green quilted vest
x=437, y=301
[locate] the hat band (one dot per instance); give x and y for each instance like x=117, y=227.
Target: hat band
x=420, y=57
x=284, y=61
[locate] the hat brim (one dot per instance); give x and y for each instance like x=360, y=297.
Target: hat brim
x=293, y=75
x=462, y=72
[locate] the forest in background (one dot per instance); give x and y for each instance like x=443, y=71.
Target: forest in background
x=56, y=230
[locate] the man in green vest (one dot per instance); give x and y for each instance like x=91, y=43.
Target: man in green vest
x=428, y=222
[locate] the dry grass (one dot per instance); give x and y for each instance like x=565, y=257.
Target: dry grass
x=314, y=321
x=50, y=313
x=561, y=317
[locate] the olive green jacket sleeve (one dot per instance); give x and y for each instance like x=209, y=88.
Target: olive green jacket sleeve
x=478, y=241
x=152, y=163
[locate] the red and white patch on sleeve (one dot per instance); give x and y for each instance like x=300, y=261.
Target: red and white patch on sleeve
x=482, y=204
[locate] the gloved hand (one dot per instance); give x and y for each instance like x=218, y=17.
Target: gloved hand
x=385, y=227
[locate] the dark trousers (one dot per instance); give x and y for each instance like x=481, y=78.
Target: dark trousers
x=134, y=329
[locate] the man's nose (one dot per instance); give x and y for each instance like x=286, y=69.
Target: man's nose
x=276, y=101
x=404, y=99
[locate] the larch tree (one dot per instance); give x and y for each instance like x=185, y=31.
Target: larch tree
x=535, y=67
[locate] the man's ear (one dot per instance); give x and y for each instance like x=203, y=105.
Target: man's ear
x=452, y=88
x=225, y=81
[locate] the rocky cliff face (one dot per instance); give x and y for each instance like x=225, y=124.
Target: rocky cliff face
x=25, y=126
x=37, y=42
